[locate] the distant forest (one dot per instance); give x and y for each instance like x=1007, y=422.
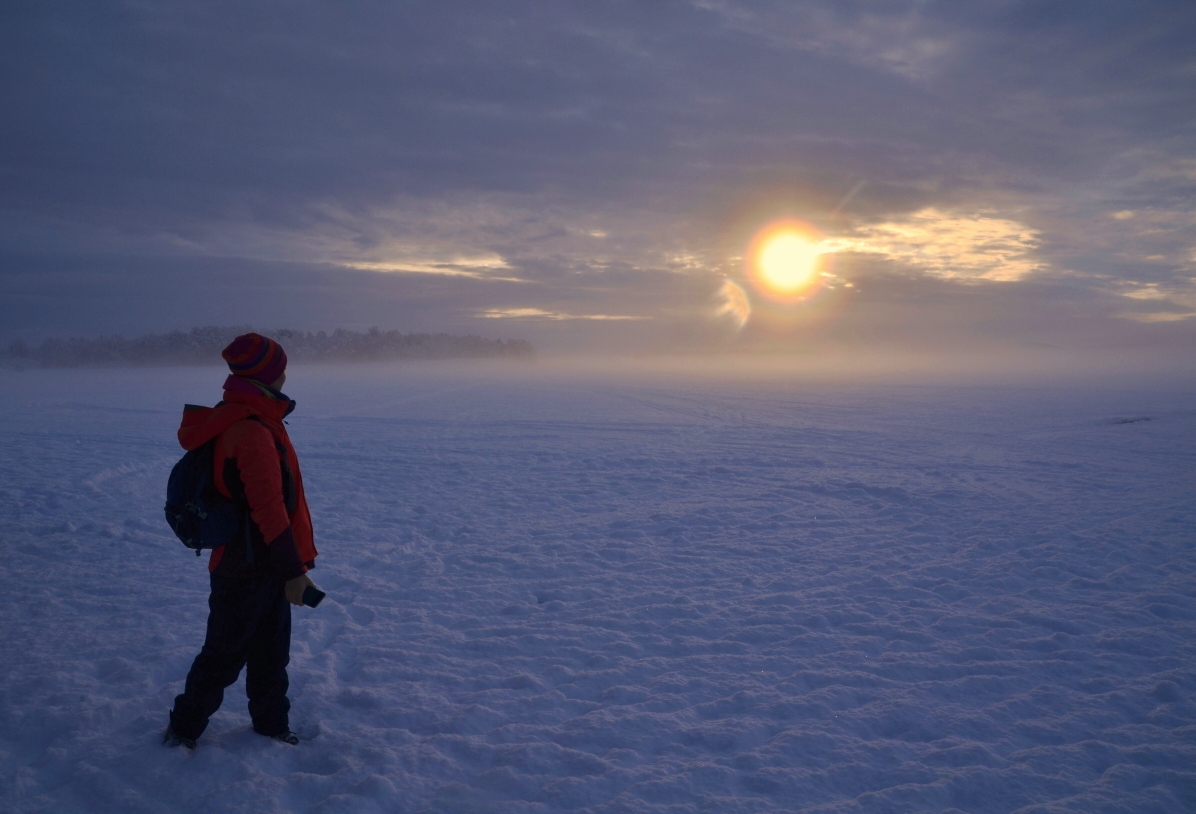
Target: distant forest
x=202, y=346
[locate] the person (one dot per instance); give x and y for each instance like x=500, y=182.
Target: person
x=257, y=577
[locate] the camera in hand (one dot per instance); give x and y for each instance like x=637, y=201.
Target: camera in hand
x=313, y=596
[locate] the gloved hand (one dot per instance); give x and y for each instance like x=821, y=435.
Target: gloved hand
x=294, y=588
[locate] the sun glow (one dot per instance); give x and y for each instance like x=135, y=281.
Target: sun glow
x=784, y=260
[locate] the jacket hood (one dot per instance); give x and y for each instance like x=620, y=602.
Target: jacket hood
x=202, y=424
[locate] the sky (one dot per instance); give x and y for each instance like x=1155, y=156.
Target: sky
x=599, y=176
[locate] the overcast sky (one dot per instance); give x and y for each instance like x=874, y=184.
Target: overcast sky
x=589, y=175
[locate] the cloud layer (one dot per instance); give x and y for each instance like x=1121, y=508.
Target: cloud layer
x=584, y=167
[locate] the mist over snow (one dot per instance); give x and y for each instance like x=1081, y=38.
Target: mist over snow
x=637, y=590
x=203, y=346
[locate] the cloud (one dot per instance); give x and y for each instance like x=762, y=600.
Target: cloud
x=549, y=162
x=899, y=37
x=555, y=316
x=477, y=268
x=1158, y=316
x=1173, y=302
x=949, y=245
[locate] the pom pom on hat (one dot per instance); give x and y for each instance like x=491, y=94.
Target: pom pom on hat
x=257, y=357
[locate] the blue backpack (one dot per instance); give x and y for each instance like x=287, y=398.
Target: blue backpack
x=197, y=512
x=200, y=516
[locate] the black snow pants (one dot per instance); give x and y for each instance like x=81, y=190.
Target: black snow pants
x=249, y=623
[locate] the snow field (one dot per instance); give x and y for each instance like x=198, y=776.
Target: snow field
x=552, y=593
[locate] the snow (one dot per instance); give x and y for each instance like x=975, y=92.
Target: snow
x=555, y=592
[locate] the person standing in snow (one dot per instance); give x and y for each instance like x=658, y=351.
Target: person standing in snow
x=256, y=579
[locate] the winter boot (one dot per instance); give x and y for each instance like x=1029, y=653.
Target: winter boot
x=173, y=739
x=286, y=736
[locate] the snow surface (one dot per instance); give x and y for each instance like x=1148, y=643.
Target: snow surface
x=559, y=593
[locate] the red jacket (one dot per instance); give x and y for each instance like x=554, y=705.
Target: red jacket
x=258, y=454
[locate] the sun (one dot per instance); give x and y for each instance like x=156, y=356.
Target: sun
x=784, y=260
x=788, y=262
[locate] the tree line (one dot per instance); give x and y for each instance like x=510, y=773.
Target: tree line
x=202, y=346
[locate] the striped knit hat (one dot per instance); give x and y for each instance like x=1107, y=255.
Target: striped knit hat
x=257, y=357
